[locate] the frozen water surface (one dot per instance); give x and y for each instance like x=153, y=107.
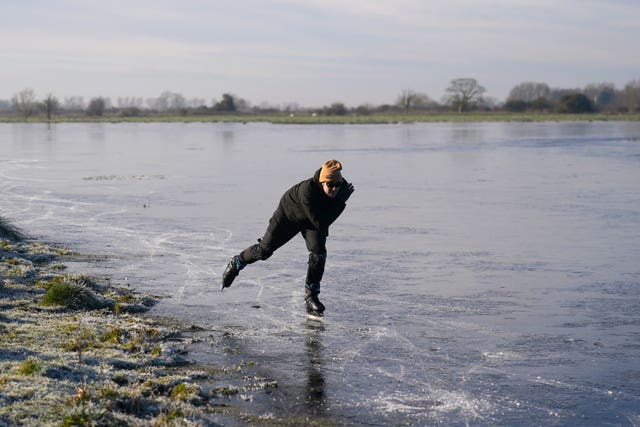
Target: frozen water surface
x=482, y=274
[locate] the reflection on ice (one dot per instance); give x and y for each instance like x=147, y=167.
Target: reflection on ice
x=468, y=282
x=315, y=394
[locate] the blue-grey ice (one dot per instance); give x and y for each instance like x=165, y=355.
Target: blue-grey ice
x=482, y=273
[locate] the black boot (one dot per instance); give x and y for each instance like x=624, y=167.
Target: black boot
x=231, y=272
x=314, y=307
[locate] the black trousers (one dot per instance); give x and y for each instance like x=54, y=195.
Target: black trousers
x=279, y=232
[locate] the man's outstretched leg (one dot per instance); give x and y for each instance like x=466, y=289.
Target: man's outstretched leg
x=279, y=232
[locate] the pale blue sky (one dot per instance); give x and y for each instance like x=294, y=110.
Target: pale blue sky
x=313, y=52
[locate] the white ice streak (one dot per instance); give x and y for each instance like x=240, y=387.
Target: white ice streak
x=435, y=405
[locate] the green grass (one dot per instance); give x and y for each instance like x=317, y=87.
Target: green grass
x=307, y=118
x=112, y=336
x=184, y=392
x=30, y=366
x=71, y=292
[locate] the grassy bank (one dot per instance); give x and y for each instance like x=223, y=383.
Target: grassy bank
x=76, y=351
x=306, y=118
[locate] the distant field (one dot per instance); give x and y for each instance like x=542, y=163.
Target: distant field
x=347, y=119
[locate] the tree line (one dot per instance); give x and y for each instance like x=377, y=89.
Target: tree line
x=462, y=95
x=467, y=94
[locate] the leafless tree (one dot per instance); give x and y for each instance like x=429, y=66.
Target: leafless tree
x=631, y=95
x=242, y=105
x=24, y=102
x=529, y=92
x=405, y=99
x=196, y=102
x=50, y=105
x=96, y=107
x=422, y=101
x=130, y=102
x=463, y=93
x=168, y=101
x=73, y=104
x=409, y=99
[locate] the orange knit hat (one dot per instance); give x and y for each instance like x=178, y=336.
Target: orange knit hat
x=331, y=171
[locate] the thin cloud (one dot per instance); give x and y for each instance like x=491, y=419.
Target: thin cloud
x=375, y=48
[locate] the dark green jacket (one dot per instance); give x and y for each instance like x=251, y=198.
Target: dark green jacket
x=306, y=205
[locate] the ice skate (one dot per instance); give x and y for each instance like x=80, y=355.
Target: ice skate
x=231, y=272
x=315, y=309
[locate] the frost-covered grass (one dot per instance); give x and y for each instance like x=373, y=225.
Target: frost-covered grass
x=74, y=352
x=73, y=292
x=77, y=351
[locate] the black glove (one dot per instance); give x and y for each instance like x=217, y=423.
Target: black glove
x=345, y=192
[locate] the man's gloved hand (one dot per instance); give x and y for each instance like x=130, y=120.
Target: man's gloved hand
x=345, y=192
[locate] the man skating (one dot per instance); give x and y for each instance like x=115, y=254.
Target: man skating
x=309, y=208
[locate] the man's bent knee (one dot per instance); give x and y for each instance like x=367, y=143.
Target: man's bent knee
x=255, y=253
x=317, y=258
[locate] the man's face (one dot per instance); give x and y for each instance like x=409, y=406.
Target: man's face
x=331, y=188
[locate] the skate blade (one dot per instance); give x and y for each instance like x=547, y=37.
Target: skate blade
x=318, y=317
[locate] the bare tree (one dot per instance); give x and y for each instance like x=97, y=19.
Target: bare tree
x=529, y=92
x=422, y=101
x=177, y=102
x=24, y=102
x=409, y=99
x=405, y=99
x=130, y=102
x=168, y=101
x=196, y=102
x=463, y=93
x=242, y=105
x=50, y=105
x=73, y=104
x=96, y=107
x=631, y=95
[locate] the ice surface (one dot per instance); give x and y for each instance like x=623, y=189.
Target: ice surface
x=482, y=274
